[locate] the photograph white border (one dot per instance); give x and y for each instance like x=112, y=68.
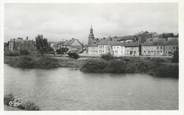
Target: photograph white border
x=122, y=112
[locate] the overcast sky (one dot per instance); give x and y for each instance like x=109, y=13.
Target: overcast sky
x=66, y=21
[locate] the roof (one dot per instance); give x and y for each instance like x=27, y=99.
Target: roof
x=132, y=44
x=93, y=45
x=170, y=42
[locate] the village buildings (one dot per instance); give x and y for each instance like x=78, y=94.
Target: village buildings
x=142, y=44
x=73, y=45
x=132, y=46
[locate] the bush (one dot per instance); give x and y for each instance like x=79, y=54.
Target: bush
x=94, y=66
x=29, y=106
x=46, y=63
x=24, y=52
x=28, y=62
x=8, y=98
x=154, y=68
x=166, y=71
x=107, y=56
x=73, y=55
x=12, y=53
x=115, y=66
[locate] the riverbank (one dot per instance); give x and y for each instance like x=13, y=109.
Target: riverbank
x=29, y=62
x=153, y=66
x=161, y=67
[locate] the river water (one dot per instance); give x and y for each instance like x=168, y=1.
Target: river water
x=69, y=89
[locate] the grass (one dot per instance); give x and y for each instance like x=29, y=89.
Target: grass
x=28, y=62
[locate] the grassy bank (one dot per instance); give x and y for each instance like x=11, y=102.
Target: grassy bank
x=28, y=62
x=161, y=67
x=42, y=62
x=153, y=66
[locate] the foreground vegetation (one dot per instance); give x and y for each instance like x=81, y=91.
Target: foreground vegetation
x=153, y=66
x=11, y=101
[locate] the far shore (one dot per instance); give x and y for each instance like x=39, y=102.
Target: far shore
x=156, y=66
x=65, y=61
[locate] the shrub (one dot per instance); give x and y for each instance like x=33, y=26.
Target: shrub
x=94, y=66
x=29, y=106
x=24, y=52
x=115, y=66
x=107, y=56
x=25, y=62
x=12, y=53
x=8, y=98
x=28, y=62
x=73, y=55
x=166, y=71
x=154, y=68
x=46, y=63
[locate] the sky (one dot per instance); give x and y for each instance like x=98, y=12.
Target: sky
x=64, y=21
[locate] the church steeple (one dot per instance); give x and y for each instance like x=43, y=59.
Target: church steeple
x=91, y=37
x=91, y=30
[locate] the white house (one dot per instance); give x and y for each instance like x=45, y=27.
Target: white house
x=132, y=49
x=152, y=49
x=93, y=50
x=118, y=49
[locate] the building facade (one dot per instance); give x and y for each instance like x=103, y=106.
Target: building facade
x=150, y=49
x=73, y=45
x=118, y=49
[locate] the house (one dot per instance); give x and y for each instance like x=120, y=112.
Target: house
x=104, y=47
x=132, y=49
x=152, y=49
x=118, y=49
x=73, y=45
x=93, y=50
x=170, y=47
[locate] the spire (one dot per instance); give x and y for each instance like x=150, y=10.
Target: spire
x=91, y=36
x=91, y=29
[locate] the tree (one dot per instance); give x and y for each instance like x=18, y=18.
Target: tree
x=42, y=44
x=73, y=55
x=24, y=52
x=175, y=57
x=107, y=56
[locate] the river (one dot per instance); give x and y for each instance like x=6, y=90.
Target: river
x=69, y=89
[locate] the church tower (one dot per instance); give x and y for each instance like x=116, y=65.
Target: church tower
x=91, y=37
